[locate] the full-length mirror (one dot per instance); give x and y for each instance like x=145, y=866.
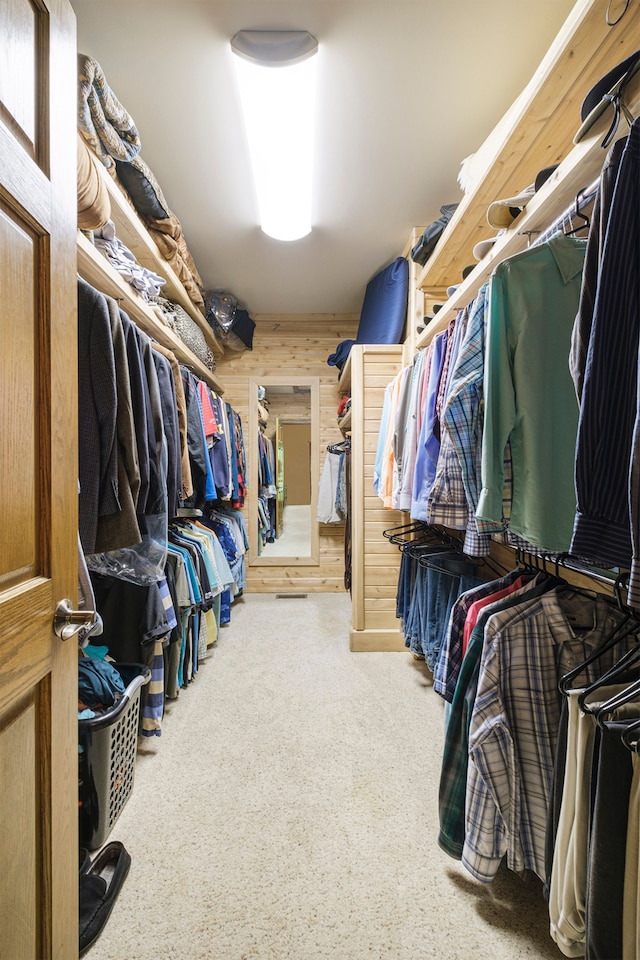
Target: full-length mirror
x=283, y=444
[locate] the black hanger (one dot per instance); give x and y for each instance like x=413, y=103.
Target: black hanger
x=628, y=737
x=623, y=629
x=340, y=447
x=632, y=692
x=430, y=560
x=423, y=547
x=580, y=216
x=626, y=661
x=403, y=533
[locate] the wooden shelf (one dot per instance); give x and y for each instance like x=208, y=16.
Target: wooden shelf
x=535, y=133
x=344, y=423
x=96, y=270
x=132, y=232
x=344, y=380
x=580, y=168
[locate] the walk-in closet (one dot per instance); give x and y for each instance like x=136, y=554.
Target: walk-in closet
x=319, y=583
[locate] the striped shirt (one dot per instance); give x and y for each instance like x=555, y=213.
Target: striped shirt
x=608, y=508
x=595, y=245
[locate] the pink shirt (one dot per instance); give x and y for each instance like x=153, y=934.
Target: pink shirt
x=478, y=605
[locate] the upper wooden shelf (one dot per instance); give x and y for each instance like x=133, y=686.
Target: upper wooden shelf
x=132, y=232
x=344, y=380
x=535, y=133
x=585, y=43
x=96, y=270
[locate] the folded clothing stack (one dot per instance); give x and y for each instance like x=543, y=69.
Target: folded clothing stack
x=145, y=282
x=109, y=130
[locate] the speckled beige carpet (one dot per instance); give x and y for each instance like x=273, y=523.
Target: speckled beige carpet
x=289, y=812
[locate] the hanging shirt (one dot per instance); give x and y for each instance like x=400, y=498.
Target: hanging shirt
x=428, y=442
x=447, y=668
x=97, y=406
x=382, y=440
x=201, y=472
x=463, y=418
x=453, y=776
x=514, y=725
x=595, y=245
x=607, y=519
x=327, y=490
x=529, y=394
x=411, y=430
x=447, y=503
x=398, y=433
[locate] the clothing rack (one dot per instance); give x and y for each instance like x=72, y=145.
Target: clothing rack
x=341, y=447
x=419, y=535
x=616, y=580
x=583, y=200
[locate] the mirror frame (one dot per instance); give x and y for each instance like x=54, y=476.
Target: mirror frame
x=251, y=506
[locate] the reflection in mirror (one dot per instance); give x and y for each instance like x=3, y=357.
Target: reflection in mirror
x=285, y=530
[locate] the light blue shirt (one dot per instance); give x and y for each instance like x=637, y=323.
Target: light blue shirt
x=428, y=444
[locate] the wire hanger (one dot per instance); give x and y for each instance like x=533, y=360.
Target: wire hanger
x=586, y=222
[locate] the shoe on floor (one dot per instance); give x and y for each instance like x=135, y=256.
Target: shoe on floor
x=85, y=860
x=99, y=888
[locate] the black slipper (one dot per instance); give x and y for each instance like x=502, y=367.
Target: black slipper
x=85, y=860
x=99, y=889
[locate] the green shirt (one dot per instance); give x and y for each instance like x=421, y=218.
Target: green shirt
x=529, y=394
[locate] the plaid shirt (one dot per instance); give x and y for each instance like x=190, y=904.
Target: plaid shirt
x=447, y=502
x=514, y=725
x=447, y=668
x=462, y=420
x=453, y=776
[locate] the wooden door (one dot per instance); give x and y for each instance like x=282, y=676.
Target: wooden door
x=38, y=480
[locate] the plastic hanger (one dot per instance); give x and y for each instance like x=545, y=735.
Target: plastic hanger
x=400, y=533
x=631, y=693
x=626, y=661
x=629, y=738
x=426, y=547
x=340, y=447
x=623, y=629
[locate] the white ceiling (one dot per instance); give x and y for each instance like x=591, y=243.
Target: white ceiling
x=408, y=88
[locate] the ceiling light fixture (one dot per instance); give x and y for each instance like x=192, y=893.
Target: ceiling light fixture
x=276, y=72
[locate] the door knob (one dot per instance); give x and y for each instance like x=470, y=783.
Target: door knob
x=68, y=623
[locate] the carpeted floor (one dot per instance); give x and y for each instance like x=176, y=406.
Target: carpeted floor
x=295, y=540
x=289, y=812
